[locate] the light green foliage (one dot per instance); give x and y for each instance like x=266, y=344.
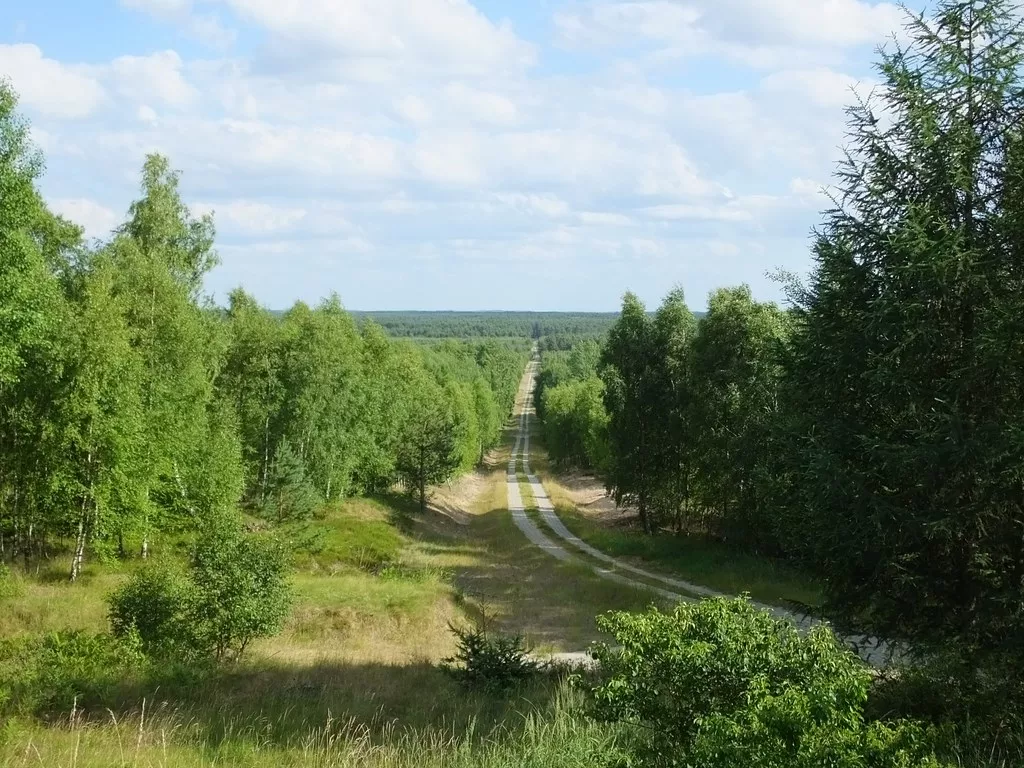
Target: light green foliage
x=241, y=588
x=61, y=671
x=576, y=424
x=235, y=591
x=721, y=684
x=156, y=605
x=736, y=364
x=251, y=378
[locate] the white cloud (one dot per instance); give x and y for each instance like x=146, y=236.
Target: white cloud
x=97, y=220
x=413, y=109
x=47, y=85
x=824, y=87
x=146, y=114
x=546, y=205
x=206, y=28
x=479, y=105
x=760, y=33
x=252, y=218
x=158, y=75
x=449, y=36
x=158, y=7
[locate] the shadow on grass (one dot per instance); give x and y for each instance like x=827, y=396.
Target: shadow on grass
x=282, y=705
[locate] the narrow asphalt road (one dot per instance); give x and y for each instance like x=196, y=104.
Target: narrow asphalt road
x=680, y=590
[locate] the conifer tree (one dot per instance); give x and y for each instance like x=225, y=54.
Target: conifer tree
x=910, y=351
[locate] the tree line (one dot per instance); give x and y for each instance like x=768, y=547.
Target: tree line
x=533, y=325
x=872, y=430
x=131, y=406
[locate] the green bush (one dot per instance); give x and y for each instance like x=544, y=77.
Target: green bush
x=977, y=703
x=490, y=661
x=242, y=590
x=721, y=684
x=156, y=603
x=235, y=591
x=63, y=670
x=10, y=585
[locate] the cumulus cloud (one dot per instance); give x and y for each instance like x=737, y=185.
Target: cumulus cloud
x=158, y=75
x=97, y=220
x=761, y=33
x=49, y=86
x=440, y=36
x=401, y=136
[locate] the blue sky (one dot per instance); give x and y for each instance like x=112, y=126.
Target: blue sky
x=448, y=154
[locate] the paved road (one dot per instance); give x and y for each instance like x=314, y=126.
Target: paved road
x=680, y=590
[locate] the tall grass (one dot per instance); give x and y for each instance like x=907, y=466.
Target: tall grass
x=559, y=737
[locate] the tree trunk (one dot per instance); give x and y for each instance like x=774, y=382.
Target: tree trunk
x=423, y=480
x=76, y=561
x=266, y=460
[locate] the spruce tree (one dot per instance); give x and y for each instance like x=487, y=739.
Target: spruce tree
x=910, y=351
x=290, y=495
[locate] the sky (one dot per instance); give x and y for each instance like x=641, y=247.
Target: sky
x=448, y=154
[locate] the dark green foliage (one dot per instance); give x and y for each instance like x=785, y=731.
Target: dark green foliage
x=490, y=661
x=290, y=496
x=721, y=684
x=463, y=325
x=429, y=449
x=64, y=671
x=909, y=365
x=630, y=396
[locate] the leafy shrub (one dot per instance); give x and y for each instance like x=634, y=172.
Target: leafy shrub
x=242, y=590
x=977, y=702
x=10, y=585
x=235, y=591
x=61, y=670
x=156, y=603
x=490, y=661
x=721, y=684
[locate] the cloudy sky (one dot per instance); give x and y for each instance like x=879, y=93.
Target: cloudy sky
x=448, y=154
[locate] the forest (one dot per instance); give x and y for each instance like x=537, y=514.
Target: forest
x=236, y=535
x=133, y=407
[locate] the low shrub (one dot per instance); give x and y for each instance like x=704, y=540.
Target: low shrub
x=10, y=585
x=63, y=670
x=721, y=684
x=975, y=701
x=235, y=591
x=156, y=603
x=490, y=661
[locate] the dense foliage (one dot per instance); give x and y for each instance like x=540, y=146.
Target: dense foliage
x=721, y=684
x=873, y=431
x=131, y=407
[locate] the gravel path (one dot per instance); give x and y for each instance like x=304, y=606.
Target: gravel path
x=681, y=590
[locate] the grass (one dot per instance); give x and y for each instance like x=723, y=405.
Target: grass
x=701, y=560
x=303, y=727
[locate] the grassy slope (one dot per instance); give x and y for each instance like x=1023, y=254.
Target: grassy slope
x=353, y=678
